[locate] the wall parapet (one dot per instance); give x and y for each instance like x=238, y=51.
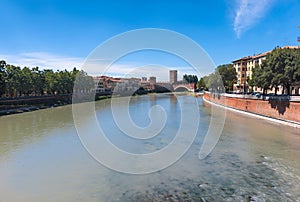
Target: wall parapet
x=286, y=110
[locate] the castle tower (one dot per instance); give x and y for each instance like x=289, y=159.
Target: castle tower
x=173, y=76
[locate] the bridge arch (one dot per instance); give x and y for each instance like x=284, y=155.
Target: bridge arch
x=182, y=88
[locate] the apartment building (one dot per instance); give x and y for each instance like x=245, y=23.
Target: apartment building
x=244, y=69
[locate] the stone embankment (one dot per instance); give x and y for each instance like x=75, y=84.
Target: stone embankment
x=31, y=103
x=276, y=108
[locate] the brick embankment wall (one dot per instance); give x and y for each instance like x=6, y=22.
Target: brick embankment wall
x=284, y=110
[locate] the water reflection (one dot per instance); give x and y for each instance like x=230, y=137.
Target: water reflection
x=21, y=129
x=42, y=159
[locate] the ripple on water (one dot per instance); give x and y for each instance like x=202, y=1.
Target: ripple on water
x=264, y=180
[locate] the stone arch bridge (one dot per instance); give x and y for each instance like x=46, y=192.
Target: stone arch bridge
x=183, y=87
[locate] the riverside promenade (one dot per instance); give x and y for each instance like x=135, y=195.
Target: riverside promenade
x=284, y=111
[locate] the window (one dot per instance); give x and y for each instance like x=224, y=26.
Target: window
x=243, y=75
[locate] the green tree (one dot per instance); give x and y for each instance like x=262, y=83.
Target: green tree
x=2, y=77
x=13, y=80
x=83, y=82
x=214, y=82
x=65, y=81
x=50, y=81
x=281, y=67
x=201, y=84
x=16, y=81
x=38, y=81
x=26, y=80
x=190, y=78
x=228, y=76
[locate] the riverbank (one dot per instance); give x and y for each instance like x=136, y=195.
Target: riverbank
x=9, y=106
x=253, y=160
x=279, y=111
x=18, y=105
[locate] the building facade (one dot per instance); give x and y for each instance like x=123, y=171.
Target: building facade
x=244, y=69
x=109, y=84
x=152, y=80
x=173, y=76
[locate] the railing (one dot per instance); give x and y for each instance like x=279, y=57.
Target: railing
x=293, y=98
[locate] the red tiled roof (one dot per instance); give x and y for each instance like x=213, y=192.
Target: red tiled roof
x=263, y=54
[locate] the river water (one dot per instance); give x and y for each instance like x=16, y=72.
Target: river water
x=42, y=158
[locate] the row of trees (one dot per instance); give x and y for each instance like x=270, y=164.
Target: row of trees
x=16, y=81
x=190, y=78
x=222, y=79
x=280, y=68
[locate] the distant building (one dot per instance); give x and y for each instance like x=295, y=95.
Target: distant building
x=152, y=80
x=103, y=83
x=127, y=84
x=173, y=76
x=144, y=78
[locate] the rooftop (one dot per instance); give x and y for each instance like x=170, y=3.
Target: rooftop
x=264, y=54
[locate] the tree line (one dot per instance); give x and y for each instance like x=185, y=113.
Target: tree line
x=16, y=81
x=221, y=80
x=190, y=78
x=280, y=68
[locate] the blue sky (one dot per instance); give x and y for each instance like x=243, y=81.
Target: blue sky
x=61, y=34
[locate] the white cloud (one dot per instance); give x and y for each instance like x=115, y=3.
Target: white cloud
x=96, y=67
x=43, y=60
x=134, y=69
x=248, y=13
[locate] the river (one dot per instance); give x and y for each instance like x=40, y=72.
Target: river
x=42, y=158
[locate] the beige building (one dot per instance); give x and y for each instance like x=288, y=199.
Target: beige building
x=244, y=69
